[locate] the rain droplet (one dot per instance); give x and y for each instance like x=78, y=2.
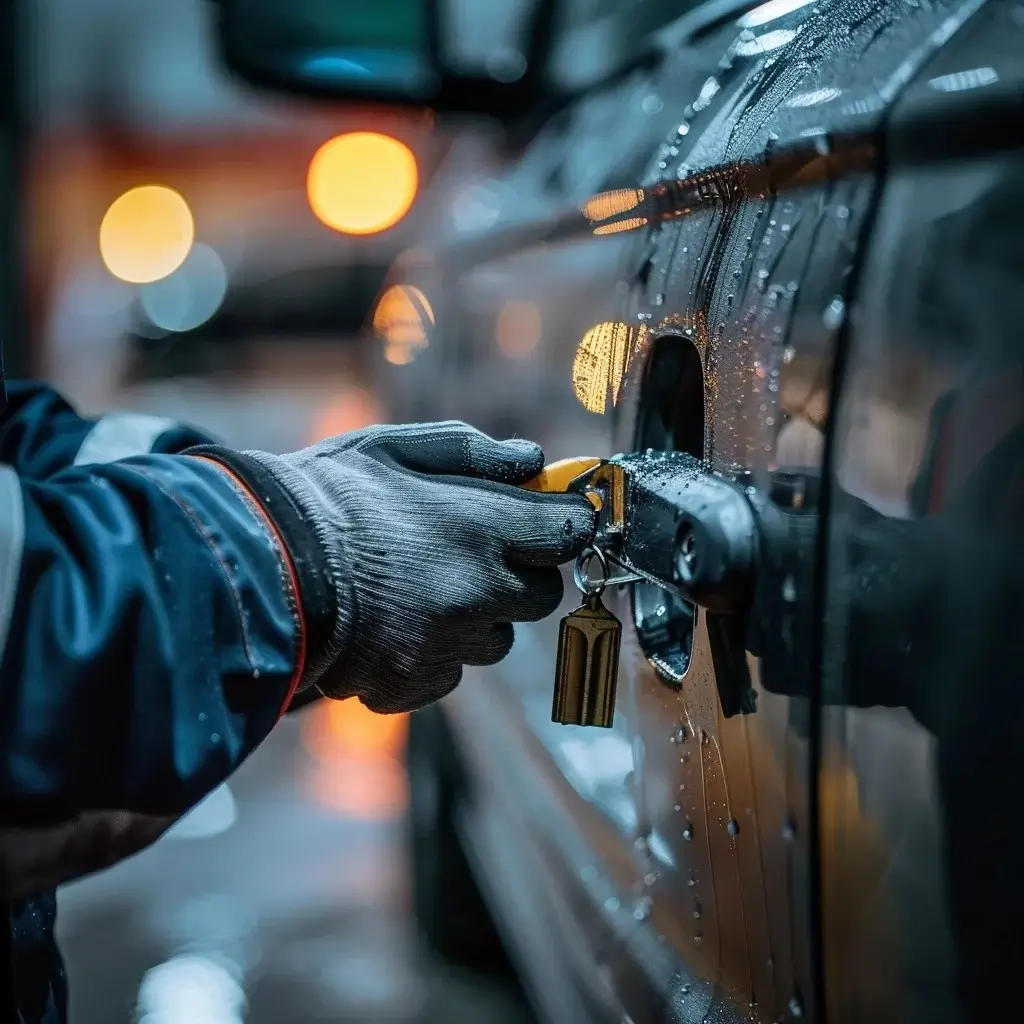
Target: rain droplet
x=612, y=905
x=691, y=882
x=833, y=315
x=659, y=299
x=681, y=734
x=215, y=737
x=789, y=589
x=688, y=832
x=733, y=827
x=255, y=673
x=795, y=1007
x=698, y=939
x=642, y=909
x=650, y=878
x=202, y=716
x=842, y=212
x=789, y=830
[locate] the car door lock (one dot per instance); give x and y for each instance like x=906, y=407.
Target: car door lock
x=663, y=519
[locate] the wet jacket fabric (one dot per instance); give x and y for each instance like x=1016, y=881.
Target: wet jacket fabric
x=150, y=637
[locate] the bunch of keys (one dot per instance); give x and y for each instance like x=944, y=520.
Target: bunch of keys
x=589, y=638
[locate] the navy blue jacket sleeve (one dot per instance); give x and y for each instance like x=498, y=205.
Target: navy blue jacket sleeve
x=40, y=434
x=150, y=628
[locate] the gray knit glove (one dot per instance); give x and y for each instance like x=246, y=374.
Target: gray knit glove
x=429, y=552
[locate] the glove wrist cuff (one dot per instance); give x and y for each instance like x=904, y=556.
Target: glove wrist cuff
x=318, y=595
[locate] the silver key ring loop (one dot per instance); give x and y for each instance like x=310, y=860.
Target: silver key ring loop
x=588, y=586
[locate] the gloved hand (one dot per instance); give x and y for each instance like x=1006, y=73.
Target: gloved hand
x=415, y=553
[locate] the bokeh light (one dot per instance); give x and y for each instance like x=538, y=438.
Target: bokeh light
x=191, y=295
x=362, y=182
x=353, y=409
x=146, y=234
x=356, y=759
x=518, y=328
x=403, y=320
x=602, y=360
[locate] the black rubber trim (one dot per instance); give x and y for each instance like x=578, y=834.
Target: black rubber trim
x=317, y=595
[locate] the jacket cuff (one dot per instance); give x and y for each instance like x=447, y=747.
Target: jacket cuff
x=318, y=599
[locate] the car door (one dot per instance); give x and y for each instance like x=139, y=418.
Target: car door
x=792, y=869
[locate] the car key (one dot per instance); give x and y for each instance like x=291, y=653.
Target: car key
x=587, y=666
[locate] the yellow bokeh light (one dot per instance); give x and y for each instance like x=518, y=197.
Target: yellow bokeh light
x=362, y=182
x=602, y=360
x=518, y=328
x=146, y=234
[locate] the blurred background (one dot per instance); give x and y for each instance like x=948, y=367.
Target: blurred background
x=203, y=251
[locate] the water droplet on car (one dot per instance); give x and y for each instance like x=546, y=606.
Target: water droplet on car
x=642, y=909
x=612, y=905
x=832, y=318
x=733, y=827
x=215, y=737
x=688, y=832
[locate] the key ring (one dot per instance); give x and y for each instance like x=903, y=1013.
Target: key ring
x=592, y=588
x=582, y=578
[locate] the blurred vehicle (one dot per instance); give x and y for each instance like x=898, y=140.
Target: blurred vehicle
x=785, y=238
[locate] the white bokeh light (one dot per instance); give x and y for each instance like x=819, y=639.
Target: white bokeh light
x=191, y=295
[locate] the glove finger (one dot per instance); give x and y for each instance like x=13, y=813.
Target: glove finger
x=547, y=529
x=519, y=594
x=490, y=645
x=404, y=695
x=458, y=449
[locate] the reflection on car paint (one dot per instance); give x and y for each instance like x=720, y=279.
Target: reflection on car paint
x=602, y=361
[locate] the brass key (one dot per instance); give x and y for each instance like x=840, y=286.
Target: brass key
x=587, y=667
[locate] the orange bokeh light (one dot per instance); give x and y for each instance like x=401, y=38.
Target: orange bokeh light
x=357, y=759
x=353, y=410
x=518, y=328
x=361, y=183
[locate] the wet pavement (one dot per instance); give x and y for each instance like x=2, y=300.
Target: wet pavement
x=282, y=899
